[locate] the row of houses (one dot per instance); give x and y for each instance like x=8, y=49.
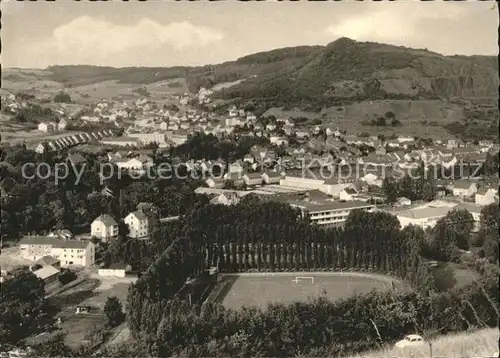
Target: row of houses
x=72, y=140
x=52, y=126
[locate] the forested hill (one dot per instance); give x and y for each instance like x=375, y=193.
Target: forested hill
x=202, y=76
x=343, y=71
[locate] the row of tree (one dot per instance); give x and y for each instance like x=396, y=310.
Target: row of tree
x=272, y=237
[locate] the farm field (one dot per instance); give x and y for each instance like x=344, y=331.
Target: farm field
x=261, y=289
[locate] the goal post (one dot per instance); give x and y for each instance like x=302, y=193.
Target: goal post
x=297, y=279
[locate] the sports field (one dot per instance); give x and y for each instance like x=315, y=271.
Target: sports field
x=260, y=289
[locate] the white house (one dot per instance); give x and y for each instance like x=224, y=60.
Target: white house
x=485, y=196
x=68, y=252
x=46, y=127
x=104, y=227
x=228, y=198
x=252, y=179
x=271, y=177
x=464, y=189
x=62, y=124
x=215, y=183
x=138, y=224
x=139, y=164
x=347, y=194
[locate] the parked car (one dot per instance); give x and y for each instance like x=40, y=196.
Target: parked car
x=412, y=340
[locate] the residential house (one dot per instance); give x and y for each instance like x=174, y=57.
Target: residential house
x=104, y=227
x=334, y=186
x=217, y=183
x=140, y=164
x=47, y=127
x=41, y=148
x=48, y=274
x=63, y=234
x=271, y=177
x=302, y=134
x=62, y=124
x=271, y=127
x=278, y=140
x=69, y=252
x=48, y=261
x=249, y=158
x=228, y=198
x=402, y=201
x=235, y=178
x=485, y=196
x=347, y=194
x=138, y=225
x=464, y=188
x=76, y=159
x=179, y=137
x=454, y=143
x=252, y=179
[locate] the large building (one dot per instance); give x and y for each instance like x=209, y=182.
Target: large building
x=68, y=252
x=330, y=213
x=424, y=217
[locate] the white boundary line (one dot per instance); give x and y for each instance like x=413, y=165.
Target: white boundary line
x=378, y=276
x=298, y=278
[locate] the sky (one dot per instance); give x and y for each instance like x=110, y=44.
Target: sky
x=121, y=34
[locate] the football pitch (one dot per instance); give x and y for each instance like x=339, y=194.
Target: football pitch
x=261, y=289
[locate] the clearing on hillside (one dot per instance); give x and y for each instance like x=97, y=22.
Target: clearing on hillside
x=260, y=289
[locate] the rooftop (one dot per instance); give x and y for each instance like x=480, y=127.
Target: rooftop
x=54, y=242
x=46, y=272
x=330, y=205
x=423, y=213
x=139, y=215
x=106, y=220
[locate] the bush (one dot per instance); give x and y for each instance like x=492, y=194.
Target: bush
x=67, y=276
x=113, y=311
x=62, y=97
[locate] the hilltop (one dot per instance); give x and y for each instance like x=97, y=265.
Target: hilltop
x=344, y=71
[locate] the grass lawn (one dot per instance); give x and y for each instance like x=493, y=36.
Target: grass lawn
x=482, y=343
x=236, y=291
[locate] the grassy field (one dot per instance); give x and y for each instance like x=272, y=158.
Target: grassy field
x=423, y=118
x=236, y=291
x=92, y=292
x=482, y=343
